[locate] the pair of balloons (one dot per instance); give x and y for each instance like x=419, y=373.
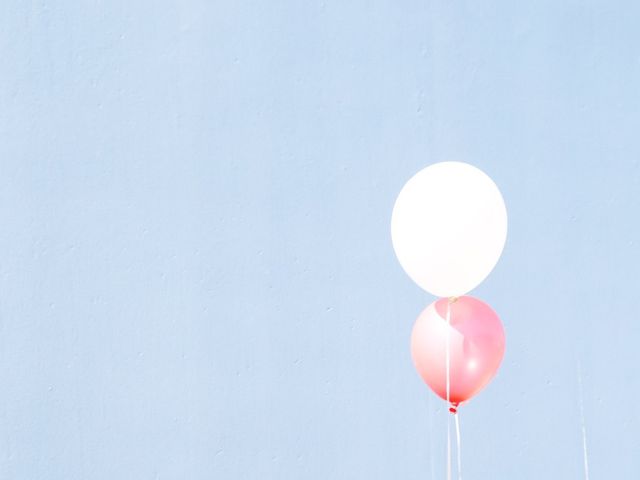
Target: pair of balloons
x=449, y=227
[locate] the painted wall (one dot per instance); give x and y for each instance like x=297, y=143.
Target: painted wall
x=196, y=275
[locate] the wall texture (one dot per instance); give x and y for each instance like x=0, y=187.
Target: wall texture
x=196, y=275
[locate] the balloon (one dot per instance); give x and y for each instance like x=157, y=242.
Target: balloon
x=476, y=347
x=448, y=227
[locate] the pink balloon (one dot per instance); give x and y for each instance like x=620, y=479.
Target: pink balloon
x=476, y=347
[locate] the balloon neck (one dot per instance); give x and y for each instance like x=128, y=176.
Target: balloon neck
x=453, y=408
x=453, y=300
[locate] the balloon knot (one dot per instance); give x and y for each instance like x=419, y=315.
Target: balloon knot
x=454, y=408
x=453, y=300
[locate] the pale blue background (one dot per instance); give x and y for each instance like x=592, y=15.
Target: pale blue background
x=196, y=276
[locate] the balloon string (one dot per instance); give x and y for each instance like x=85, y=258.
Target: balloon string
x=431, y=450
x=458, y=443
x=448, y=448
x=448, y=354
x=448, y=359
x=583, y=423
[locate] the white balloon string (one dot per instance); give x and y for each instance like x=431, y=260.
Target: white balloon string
x=583, y=424
x=431, y=449
x=448, y=448
x=458, y=443
x=448, y=359
x=448, y=354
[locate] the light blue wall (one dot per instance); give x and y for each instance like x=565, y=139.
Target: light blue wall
x=196, y=276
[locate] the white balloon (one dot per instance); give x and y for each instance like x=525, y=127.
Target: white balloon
x=448, y=227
